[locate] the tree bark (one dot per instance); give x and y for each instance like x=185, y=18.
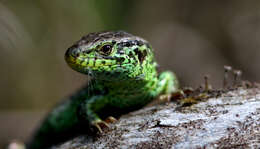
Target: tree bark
x=228, y=119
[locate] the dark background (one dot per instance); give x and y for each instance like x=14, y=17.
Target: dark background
x=191, y=38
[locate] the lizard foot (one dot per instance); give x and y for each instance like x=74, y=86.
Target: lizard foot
x=173, y=96
x=99, y=124
x=110, y=119
x=164, y=98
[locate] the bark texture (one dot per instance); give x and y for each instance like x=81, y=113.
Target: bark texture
x=225, y=119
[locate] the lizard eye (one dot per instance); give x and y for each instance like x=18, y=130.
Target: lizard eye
x=106, y=49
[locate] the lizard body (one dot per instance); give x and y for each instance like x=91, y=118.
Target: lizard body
x=124, y=78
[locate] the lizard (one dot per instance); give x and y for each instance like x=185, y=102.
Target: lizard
x=124, y=78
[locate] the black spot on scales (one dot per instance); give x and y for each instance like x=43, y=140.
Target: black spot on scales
x=121, y=45
x=131, y=55
x=106, y=57
x=139, y=42
x=94, y=63
x=81, y=62
x=87, y=51
x=113, y=42
x=141, y=54
x=120, y=60
x=98, y=46
x=136, y=50
x=127, y=44
x=97, y=39
x=106, y=73
x=119, y=49
x=87, y=62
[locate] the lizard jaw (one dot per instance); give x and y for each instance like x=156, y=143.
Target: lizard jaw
x=86, y=65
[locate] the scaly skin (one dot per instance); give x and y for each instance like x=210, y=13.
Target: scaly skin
x=124, y=75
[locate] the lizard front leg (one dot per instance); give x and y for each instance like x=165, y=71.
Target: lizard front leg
x=88, y=111
x=168, y=83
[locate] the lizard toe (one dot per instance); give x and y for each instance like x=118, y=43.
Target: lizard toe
x=100, y=125
x=110, y=119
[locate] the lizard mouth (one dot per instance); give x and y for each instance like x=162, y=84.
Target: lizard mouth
x=89, y=63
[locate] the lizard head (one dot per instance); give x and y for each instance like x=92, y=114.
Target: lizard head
x=109, y=55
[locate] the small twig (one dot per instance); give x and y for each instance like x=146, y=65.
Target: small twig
x=227, y=69
x=207, y=85
x=237, y=77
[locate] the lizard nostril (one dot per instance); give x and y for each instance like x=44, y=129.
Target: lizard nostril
x=72, y=52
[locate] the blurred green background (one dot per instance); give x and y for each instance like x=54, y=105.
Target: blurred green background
x=192, y=38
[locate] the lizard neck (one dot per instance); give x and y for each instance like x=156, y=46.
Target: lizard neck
x=147, y=79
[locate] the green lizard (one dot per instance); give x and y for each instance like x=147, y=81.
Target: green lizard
x=124, y=78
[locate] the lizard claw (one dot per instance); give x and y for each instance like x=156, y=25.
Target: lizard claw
x=110, y=119
x=99, y=124
x=173, y=96
x=165, y=98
